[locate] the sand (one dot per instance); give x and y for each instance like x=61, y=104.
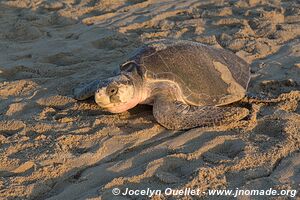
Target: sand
x=54, y=147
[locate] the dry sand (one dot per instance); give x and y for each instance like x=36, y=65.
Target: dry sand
x=53, y=147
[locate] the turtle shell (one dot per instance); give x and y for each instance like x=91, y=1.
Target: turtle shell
x=204, y=74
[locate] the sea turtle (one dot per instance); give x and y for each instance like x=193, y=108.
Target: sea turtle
x=189, y=84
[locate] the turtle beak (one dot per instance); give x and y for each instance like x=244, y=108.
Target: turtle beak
x=100, y=95
x=101, y=99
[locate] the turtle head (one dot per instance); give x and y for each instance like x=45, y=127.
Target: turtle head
x=119, y=93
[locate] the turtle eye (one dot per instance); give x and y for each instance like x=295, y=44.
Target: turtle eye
x=112, y=90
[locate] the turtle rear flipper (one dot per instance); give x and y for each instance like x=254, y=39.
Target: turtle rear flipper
x=177, y=116
x=86, y=91
x=259, y=98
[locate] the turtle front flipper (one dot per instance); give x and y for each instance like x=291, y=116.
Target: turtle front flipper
x=86, y=91
x=179, y=116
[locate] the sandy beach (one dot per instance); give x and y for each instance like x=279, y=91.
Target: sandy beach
x=55, y=147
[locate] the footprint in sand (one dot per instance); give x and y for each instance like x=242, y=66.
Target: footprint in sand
x=24, y=168
x=285, y=176
x=23, y=31
x=169, y=170
x=62, y=59
x=10, y=128
x=110, y=42
x=52, y=5
x=287, y=170
x=224, y=152
x=17, y=88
